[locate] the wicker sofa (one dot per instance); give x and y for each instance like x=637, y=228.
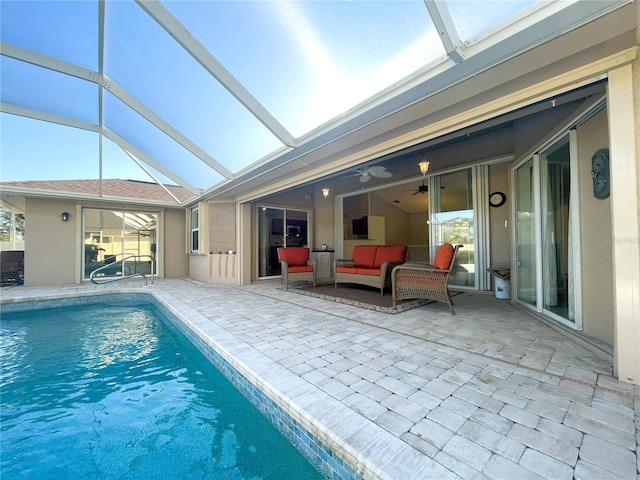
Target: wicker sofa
x=369, y=265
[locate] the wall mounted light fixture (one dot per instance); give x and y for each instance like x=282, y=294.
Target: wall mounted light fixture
x=325, y=192
x=64, y=216
x=424, y=167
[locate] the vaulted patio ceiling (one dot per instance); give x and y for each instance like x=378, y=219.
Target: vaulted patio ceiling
x=219, y=96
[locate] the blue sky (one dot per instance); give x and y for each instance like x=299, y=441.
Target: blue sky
x=36, y=150
x=306, y=62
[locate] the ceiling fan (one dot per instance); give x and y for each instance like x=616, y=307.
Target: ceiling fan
x=375, y=171
x=421, y=189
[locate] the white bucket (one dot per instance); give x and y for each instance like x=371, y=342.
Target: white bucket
x=502, y=288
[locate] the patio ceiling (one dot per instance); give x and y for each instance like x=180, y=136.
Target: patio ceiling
x=209, y=95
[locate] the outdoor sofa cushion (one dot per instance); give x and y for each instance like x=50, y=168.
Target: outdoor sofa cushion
x=294, y=256
x=443, y=257
x=364, y=255
x=390, y=253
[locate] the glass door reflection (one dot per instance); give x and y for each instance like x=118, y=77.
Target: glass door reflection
x=452, y=221
x=526, y=270
x=279, y=227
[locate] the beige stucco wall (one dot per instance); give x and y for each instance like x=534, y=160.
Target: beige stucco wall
x=176, y=264
x=50, y=243
x=324, y=218
x=222, y=227
x=219, y=262
x=500, y=231
x=595, y=236
x=53, y=248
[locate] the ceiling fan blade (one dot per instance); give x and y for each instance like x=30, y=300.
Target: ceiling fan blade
x=382, y=174
x=356, y=174
x=365, y=178
x=379, y=171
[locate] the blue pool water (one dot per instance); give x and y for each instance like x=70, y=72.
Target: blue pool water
x=117, y=392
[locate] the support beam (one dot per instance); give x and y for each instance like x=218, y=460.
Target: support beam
x=625, y=198
x=446, y=29
x=199, y=53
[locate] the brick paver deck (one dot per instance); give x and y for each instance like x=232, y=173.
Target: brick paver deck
x=491, y=393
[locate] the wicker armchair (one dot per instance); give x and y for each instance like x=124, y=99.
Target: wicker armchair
x=415, y=280
x=296, y=265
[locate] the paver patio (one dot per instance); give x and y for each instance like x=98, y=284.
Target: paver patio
x=488, y=393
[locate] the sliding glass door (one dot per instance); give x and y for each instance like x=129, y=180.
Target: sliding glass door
x=525, y=218
x=279, y=227
x=557, y=236
x=452, y=221
x=546, y=243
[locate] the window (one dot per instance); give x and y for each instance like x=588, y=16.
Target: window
x=195, y=230
x=12, y=229
x=5, y=225
x=119, y=242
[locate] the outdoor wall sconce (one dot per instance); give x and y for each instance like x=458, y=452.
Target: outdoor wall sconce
x=325, y=192
x=64, y=216
x=424, y=167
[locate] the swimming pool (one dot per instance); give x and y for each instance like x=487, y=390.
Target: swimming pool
x=125, y=395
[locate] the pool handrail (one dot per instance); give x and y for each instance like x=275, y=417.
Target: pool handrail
x=123, y=276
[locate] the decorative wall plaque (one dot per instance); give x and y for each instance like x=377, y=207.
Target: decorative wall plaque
x=600, y=173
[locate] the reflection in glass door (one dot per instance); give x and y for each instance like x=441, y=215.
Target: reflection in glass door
x=525, y=261
x=557, y=255
x=111, y=236
x=278, y=227
x=452, y=221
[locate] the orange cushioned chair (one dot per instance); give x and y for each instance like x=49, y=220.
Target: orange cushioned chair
x=414, y=280
x=296, y=265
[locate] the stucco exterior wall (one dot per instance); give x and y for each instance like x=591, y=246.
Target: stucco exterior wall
x=500, y=243
x=176, y=264
x=324, y=216
x=219, y=262
x=595, y=236
x=53, y=248
x=50, y=243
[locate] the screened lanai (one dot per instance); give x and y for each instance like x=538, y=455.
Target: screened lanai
x=207, y=95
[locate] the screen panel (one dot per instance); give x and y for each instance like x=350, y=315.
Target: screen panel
x=67, y=30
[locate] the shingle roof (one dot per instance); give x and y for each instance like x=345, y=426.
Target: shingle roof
x=133, y=189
